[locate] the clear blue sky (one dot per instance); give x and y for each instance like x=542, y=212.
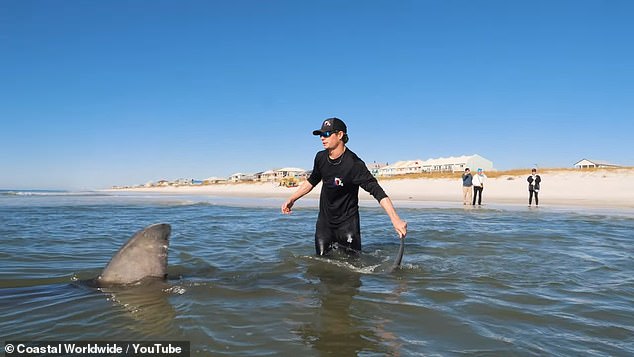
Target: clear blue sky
x=101, y=93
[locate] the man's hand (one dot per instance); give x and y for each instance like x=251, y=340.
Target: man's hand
x=287, y=207
x=401, y=227
x=303, y=189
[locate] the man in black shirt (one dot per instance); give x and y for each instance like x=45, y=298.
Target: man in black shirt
x=341, y=173
x=534, y=182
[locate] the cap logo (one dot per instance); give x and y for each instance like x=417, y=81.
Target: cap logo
x=327, y=123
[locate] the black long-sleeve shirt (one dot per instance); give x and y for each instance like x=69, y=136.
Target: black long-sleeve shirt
x=533, y=183
x=341, y=179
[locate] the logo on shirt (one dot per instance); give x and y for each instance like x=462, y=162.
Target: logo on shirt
x=338, y=182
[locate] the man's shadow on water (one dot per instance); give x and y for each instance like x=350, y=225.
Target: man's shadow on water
x=334, y=329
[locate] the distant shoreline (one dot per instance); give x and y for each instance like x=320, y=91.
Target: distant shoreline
x=608, y=188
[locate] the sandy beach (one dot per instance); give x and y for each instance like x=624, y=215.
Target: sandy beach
x=609, y=188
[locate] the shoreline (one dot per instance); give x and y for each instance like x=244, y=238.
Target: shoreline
x=590, y=189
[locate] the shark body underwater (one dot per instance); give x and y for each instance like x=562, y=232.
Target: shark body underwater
x=142, y=257
x=135, y=279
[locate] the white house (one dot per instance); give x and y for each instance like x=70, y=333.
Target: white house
x=184, y=182
x=240, y=177
x=443, y=164
x=397, y=168
x=214, y=180
x=279, y=174
x=290, y=172
x=163, y=183
x=457, y=163
x=265, y=176
x=585, y=164
x=375, y=167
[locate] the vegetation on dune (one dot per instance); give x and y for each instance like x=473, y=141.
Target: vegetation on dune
x=496, y=174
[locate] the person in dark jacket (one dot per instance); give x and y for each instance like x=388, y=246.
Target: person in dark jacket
x=467, y=183
x=341, y=173
x=533, y=187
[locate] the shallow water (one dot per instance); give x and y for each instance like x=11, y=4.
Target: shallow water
x=244, y=279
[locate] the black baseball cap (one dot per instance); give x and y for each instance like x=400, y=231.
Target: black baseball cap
x=331, y=124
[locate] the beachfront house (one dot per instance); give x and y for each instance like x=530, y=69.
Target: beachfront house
x=280, y=174
x=184, y=182
x=401, y=168
x=375, y=167
x=586, y=164
x=389, y=170
x=265, y=176
x=457, y=163
x=291, y=172
x=214, y=180
x=163, y=183
x=443, y=164
x=240, y=177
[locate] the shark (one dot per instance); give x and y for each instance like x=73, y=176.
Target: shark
x=142, y=257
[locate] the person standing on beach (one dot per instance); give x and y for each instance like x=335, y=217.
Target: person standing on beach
x=478, y=187
x=467, y=183
x=341, y=173
x=533, y=187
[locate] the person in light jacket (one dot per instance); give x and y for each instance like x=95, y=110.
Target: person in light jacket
x=478, y=186
x=533, y=187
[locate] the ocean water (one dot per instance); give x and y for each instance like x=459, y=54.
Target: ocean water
x=243, y=279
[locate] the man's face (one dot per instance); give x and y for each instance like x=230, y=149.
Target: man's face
x=330, y=139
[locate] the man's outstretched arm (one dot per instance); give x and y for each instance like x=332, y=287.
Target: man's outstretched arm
x=399, y=225
x=303, y=189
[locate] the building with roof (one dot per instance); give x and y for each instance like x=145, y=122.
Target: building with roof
x=240, y=177
x=291, y=172
x=214, y=180
x=457, y=163
x=375, y=167
x=401, y=168
x=280, y=174
x=442, y=164
x=265, y=176
x=586, y=164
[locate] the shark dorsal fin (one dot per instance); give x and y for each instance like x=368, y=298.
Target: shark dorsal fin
x=143, y=256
